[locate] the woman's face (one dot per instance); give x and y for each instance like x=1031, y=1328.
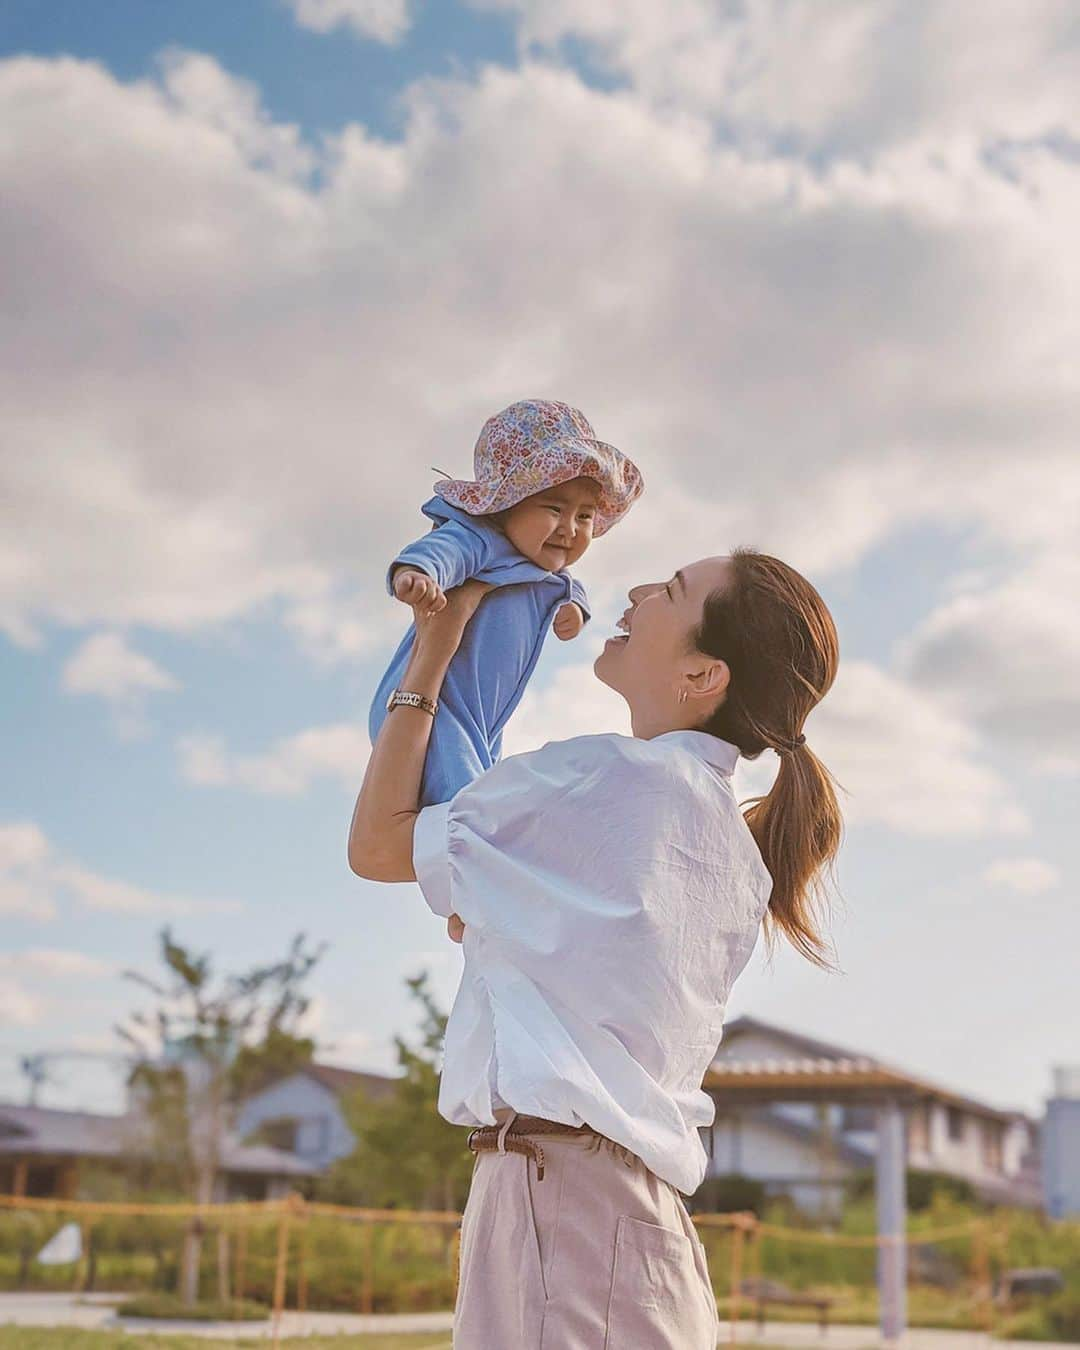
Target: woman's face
x=655, y=656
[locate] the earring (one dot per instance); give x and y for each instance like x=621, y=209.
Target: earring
x=682, y=695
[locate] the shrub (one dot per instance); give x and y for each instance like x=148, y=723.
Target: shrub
x=728, y=1194
x=169, y=1306
x=1063, y=1316
x=921, y=1188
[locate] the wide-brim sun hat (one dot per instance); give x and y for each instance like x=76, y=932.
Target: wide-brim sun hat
x=536, y=444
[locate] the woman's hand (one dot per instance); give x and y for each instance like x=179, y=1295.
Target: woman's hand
x=455, y=928
x=381, y=833
x=439, y=635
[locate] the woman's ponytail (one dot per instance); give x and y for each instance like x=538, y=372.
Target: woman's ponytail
x=779, y=641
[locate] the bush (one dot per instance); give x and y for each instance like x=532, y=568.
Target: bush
x=1063, y=1316
x=169, y=1307
x=729, y=1194
x=921, y=1188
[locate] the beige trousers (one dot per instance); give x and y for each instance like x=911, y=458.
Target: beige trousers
x=600, y=1255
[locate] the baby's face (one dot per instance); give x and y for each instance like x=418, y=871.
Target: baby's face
x=553, y=528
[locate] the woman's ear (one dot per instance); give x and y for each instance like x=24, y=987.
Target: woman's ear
x=710, y=680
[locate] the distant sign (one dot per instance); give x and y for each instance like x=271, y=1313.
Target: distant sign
x=63, y=1248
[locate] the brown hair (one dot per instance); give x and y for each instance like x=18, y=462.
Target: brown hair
x=779, y=641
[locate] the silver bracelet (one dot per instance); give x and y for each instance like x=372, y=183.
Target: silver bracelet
x=402, y=698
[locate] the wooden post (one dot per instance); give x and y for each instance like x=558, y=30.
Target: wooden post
x=737, y=1237
x=980, y=1259
x=301, y=1270
x=889, y=1179
x=280, y=1272
x=241, y=1261
x=754, y=1263
x=367, y=1281
x=457, y=1259
x=223, y=1264
x=82, y=1265
x=18, y=1181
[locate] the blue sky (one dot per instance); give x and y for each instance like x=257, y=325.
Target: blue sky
x=266, y=275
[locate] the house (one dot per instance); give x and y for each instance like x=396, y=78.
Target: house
x=42, y=1151
x=302, y=1113
x=775, y=1121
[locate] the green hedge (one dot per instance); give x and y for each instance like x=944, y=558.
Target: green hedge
x=169, y=1307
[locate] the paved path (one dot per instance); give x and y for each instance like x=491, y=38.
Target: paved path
x=96, y=1311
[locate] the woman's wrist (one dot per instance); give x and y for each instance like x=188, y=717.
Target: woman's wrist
x=425, y=672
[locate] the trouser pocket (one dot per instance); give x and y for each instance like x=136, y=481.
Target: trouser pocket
x=657, y=1301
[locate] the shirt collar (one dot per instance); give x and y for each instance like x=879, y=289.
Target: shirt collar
x=722, y=755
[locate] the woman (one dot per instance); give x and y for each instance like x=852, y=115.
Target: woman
x=608, y=891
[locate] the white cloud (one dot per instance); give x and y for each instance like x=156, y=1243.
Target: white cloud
x=24, y=852
x=105, y=665
x=1005, y=652
x=17, y=1007
x=843, y=350
x=806, y=354
x=287, y=769
x=1027, y=876
x=56, y=963
x=384, y=20
x=34, y=877
x=836, y=77
x=906, y=762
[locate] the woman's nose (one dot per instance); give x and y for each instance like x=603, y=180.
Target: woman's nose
x=639, y=593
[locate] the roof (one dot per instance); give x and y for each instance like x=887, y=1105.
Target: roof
x=820, y=1071
x=339, y=1080
x=41, y=1131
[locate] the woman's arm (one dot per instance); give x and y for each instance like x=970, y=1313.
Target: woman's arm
x=381, y=833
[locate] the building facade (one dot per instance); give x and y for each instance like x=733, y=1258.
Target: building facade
x=810, y=1149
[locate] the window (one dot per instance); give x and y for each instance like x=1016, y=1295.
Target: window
x=993, y=1137
x=41, y=1181
x=956, y=1122
x=858, y=1118
x=279, y=1133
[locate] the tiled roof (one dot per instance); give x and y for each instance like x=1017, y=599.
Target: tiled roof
x=793, y=1067
x=340, y=1081
x=817, y=1061
x=42, y=1131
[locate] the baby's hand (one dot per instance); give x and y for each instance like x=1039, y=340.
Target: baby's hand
x=416, y=588
x=569, y=621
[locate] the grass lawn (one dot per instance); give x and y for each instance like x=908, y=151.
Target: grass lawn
x=67, y=1338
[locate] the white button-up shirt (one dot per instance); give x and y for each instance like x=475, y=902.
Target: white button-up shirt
x=611, y=893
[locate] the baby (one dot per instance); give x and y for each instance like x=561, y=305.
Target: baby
x=545, y=487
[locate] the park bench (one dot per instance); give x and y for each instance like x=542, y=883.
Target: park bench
x=1030, y=1280
x=771, y=1293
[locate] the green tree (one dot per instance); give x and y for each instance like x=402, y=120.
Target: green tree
x=407, y=1156
x=208, y=1043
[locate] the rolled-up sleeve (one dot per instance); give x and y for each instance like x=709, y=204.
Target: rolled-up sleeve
x=431, y=859
x=536, y=836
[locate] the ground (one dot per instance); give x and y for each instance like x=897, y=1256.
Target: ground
x=66, y=1338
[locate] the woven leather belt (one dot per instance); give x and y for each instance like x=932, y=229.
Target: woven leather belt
x=485, y=1138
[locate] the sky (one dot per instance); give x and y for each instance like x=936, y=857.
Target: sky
x=265, y=264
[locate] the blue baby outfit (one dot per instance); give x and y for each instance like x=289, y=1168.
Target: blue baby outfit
x=498, y=651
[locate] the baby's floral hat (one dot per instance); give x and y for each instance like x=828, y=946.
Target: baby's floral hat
x=536, y=444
